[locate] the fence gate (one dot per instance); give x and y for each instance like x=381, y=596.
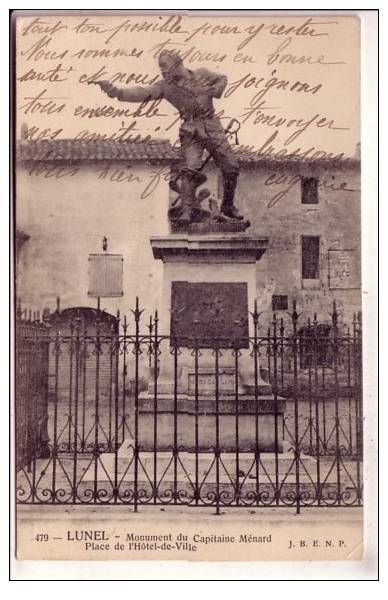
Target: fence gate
x=110, y=410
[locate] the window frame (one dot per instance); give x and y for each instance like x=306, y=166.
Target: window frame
x=278, y=296
x=318, y=265
x=303, y=181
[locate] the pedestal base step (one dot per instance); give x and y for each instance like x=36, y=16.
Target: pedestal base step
x=197, y=431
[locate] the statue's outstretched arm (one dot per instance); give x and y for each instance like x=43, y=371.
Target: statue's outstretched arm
x=132, y=94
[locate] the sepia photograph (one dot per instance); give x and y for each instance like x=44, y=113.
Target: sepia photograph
x=187, y=301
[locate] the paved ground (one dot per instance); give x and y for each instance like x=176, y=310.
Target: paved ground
x=121, y=512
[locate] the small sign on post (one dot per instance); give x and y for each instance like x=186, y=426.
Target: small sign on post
x=105, y=275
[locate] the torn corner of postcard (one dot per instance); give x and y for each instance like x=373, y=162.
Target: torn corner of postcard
x=188, y=350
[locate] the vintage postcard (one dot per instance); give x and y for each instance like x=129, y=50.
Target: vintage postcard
x=188, y=316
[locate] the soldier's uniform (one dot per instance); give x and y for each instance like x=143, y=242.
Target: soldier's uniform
x=193, y=95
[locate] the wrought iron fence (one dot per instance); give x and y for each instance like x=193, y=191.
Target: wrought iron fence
x=31, y=389
x=109, y=412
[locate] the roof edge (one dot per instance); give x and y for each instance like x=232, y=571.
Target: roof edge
x=25, y=154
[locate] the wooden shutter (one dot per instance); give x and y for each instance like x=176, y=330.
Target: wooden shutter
x=105, y=275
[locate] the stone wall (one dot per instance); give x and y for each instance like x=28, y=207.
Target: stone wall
x=66, y=219
x=335, y=219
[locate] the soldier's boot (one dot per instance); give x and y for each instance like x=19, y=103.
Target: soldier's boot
x=227, y=206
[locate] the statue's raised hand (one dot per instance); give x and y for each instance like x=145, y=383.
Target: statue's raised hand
x=107, y=87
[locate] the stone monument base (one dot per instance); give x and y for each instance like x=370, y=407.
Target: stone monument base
x=195, y=423
x=232, y=226
x=209, y=291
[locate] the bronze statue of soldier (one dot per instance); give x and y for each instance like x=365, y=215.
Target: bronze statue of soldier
x=192, y=93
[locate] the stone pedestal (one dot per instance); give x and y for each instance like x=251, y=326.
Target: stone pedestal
x=209, y=287
x=196, y=424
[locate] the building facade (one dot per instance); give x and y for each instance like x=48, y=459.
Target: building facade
x=70, y=194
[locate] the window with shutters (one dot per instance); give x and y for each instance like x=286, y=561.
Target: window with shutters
x=309, y=187
x=310, y=257
x=105, y=275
